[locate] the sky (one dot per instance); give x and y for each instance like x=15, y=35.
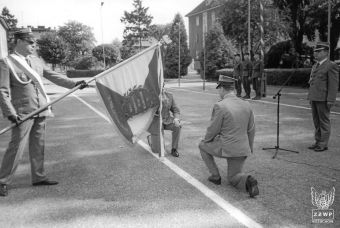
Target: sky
x=55, y=13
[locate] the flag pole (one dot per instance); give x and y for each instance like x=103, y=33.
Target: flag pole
x=124, y=62
x=43, y=108
x=162, y=149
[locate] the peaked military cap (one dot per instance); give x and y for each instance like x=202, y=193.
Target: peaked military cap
x=321, y=46
x=236, y=54
x=225, y=80
x=25, y=34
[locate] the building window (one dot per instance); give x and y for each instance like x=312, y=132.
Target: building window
x=197, y=38
x=197, y=21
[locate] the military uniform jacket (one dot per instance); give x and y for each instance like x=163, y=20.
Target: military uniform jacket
x=257, y=69
x=247, y=68
x=324, y=82
x=237, y=73
x=232, y=127
x=21, y=97
x=169, y=108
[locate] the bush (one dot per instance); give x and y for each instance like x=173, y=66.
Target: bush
x=279, y=76
x=82, y=73
x=86, y=63
x=283, y=55
x=300, y=76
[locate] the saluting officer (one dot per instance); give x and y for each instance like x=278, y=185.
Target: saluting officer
x=230, y=135
x=247, y=69
x=238, y=74
x=257, y=76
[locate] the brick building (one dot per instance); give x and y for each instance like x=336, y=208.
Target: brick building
x=201, y=20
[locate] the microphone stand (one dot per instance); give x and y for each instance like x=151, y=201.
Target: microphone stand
x=278, y=95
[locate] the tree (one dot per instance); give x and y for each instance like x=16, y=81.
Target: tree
x=305, y=16
x=137, y=24
x=52, y=48
x=158, y=30
x=178, y=36
x=78, y=37
x=111, y=53
x=234, y=20
x=318, y=19
x=218, y=52
x=9, y=18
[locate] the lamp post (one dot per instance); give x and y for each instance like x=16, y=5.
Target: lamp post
x=101, y=25
x=329, y=27
x=179, y=54
x=249, y=45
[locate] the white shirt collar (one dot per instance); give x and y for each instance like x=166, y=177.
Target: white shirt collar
x=322, y=61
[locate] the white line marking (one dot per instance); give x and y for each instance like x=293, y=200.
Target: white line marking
x=260, y=101
x=233, y=211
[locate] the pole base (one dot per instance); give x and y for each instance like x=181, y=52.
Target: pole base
x=277, y=148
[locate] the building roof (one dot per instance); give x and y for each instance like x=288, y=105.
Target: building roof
x=206, y=5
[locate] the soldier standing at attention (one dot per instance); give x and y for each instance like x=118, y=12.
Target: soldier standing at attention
x=230, y=135
x=323, y=86
x=247, y=68
x=238, y=74
x=257, y=76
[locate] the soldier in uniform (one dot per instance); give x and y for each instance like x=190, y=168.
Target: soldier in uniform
x=323, y=86
x=22, y=92
x=230, y=135
x=257, y=76
x=170, y=120
x=238, y=74
x=246, y=75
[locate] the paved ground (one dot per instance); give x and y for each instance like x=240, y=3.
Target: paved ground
x=104, y=183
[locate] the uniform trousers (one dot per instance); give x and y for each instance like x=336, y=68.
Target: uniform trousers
x=32, y=130
x=257, y=86
x=246, y=85
x=155, y=137
x=322, y=123
x=238, y=87
x=235, y=165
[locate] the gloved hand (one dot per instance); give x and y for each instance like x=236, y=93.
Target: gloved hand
x=177, y=122
x=82, y=84
x=14, y=119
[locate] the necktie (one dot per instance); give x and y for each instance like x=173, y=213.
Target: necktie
x=317, y=65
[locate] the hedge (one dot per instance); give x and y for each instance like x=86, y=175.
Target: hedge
x=82, y=73
x=300, y=76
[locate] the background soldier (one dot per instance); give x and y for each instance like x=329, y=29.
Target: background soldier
x=246, y=75
x=237, y=73
x=257, y=76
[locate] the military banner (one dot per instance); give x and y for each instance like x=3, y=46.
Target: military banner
x=130, y=92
